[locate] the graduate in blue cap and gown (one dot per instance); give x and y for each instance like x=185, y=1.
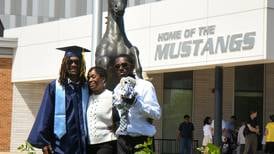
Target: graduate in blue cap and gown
x=60, y=125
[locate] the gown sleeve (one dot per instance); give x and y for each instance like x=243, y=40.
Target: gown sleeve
x=42, y=130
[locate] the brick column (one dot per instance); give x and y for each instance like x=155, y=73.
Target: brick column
x=5, y=103
x=268, y=90
x=203, y=97
x=158, y=82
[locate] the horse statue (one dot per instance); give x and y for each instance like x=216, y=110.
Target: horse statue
x=115, y=41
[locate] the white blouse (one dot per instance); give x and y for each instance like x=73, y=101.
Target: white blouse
x=99, y=118
x=207, y=129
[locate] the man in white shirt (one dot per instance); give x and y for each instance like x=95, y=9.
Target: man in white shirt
x=144, y=107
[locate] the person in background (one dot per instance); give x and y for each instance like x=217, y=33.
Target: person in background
x=208, y=131
x=252, y=130
x=100, y=115
x=241, y=138
x=231, y=128
x=232, y=132
x=185, y=135
x=269, y=136
x=60, y=125
x=137, y=104
x=224, y=125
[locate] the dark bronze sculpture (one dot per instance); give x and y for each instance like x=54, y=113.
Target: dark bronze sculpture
x=115, y=41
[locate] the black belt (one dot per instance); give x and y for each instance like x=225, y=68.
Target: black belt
x=142, y=137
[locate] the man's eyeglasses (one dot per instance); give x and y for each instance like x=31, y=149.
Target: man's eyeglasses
x=70, y=62
x=123, y=65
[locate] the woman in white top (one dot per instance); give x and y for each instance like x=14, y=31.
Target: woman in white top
x=100, y=123
x=208, y=131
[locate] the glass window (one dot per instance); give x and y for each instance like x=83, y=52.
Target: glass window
x=43, y=10
x=15, y=7
x=177, y=101
x=29, y=7
x=249, y=78
x=2, y=6
x=175, y=80
x=59, y=9
x=81, y=7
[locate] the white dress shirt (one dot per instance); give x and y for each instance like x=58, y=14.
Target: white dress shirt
x=99, y=118
x=146, y=106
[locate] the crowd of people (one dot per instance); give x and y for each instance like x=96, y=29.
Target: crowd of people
x=79, y=115
x=236, y=138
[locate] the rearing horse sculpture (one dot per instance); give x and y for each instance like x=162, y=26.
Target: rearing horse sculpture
x=115, y=41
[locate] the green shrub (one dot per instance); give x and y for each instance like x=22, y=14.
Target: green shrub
x=26, y=147
x=210, y=149
x=145, y=148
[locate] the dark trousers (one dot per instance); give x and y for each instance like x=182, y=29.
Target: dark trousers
x=269, y=147
x=103, y=148
x=251, y=144
x=242, y=148
x=126, y=144
x=185, y=145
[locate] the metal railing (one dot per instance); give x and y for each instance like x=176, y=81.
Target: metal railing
x=171, y=146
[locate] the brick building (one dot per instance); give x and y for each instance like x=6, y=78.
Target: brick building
x=6, y=57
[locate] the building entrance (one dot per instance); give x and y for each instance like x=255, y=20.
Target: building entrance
x=249, y=93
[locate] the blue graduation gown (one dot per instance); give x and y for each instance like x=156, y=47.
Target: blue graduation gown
x=42, y=133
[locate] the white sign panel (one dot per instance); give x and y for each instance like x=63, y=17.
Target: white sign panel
x=217, y=40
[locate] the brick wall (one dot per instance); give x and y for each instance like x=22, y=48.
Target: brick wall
x=228, y=92
x=204, y=98
x=158, y=82
x=5, y=103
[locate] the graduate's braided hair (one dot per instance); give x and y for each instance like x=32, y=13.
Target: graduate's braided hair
x=63, y=75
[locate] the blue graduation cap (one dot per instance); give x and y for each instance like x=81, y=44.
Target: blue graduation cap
x=73, y=51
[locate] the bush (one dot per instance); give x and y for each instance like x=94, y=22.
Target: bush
x=210, y=149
